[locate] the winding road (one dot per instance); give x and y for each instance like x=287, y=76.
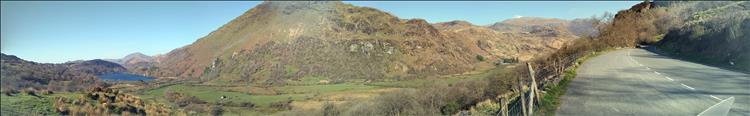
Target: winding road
x=643, y=83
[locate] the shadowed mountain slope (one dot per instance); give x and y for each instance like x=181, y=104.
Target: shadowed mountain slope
x=18, y=73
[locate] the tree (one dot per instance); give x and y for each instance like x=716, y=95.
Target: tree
x=217, y=110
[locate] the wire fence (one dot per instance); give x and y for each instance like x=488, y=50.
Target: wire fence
x=516, y=107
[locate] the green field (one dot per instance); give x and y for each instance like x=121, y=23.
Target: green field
x=24, y=104
x=418, y=83
x=308, y=92
x=213, y=94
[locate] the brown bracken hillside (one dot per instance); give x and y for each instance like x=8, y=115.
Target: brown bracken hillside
x=280, y=41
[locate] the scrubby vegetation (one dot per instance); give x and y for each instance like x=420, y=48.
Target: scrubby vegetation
x=103, y=101
x=434, y=99
x=718, y=33
x=96, y=101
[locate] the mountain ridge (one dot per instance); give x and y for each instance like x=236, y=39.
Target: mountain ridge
x=276, y=42
x=347, y=32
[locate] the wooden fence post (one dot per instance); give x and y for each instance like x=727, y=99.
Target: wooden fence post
x=522, y=96
x=532, y=90
x=504, y=109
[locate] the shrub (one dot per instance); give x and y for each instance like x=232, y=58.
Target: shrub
x=330, y=110
x=450, y=108
x=485, y=108
x=31, y=92
x=480, y=58
x=198, y=108
x=46, y=92
x=217, y=110
x=184, y=101
x=10, y=92
x=283, y=105
x=247, y=105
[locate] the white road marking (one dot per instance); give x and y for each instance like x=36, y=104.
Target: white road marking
x=648, y=68
x=670, y=79
x=717, y=98
x=691, y=88
x=640, y=64
x=657, y=73
x=730, y=99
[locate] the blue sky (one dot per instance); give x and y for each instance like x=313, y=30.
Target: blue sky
x=56, y=32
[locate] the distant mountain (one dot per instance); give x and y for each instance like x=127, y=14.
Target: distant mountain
x=136, y=58
x=137, y=63
x=534, y=25
x=583, y=27
x=547, y=26
x=510, y=39
x=133, y=58
x=71, y=76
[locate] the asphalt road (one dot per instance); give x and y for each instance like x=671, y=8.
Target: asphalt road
x=643, y=83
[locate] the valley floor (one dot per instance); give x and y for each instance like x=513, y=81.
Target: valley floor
x=307, y=94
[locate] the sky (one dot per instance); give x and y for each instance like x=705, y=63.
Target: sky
x=61, y=31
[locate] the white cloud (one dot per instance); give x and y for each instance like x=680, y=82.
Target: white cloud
x=517, y=16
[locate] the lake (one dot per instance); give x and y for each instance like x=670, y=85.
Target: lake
x=124, y=77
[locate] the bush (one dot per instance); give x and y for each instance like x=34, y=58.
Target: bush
x=184, y=101
x=485, y=108
x=10, y=92
x=480, y=58
x=46, y=92
x=450, y=108
x=217, y=110
x=31, y=92
x=198, y=108
x=330, y=110
x=247, y=105
x=283, y=105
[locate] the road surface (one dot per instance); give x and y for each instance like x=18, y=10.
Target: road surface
x=643, y=83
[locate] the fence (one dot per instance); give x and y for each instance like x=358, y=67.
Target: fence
x=523, y=100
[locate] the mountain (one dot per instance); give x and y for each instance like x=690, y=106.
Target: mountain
x=134, y=58
x=583, y=27
x=137, y=62
x=510, y=39
x=533, y=25
x=278, y=41
x=71, y=76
